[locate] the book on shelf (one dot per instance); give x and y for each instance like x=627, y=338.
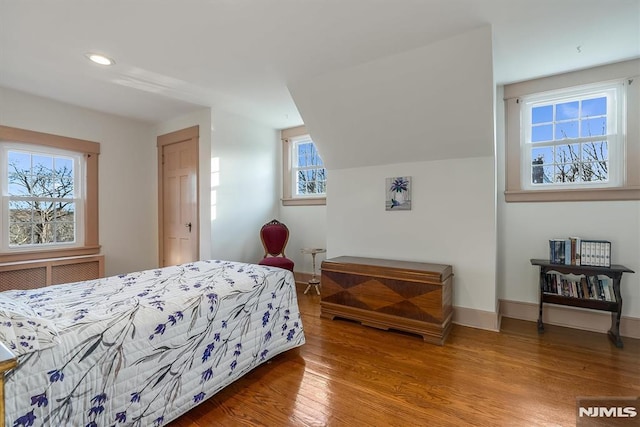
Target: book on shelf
x=577, y=251
x=565, y=251
x=597, y=287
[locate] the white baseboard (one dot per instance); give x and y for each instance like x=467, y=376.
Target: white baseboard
x=571, y=317
x=476, y=318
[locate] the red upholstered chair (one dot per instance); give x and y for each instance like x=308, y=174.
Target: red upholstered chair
x=274, y=236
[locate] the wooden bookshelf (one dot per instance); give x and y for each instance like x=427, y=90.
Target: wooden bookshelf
x=614, y=272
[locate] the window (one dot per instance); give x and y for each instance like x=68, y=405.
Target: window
x=308, y=173
x=43, y=192
x=304, y=176
x=573, y=139
x=574, y=143
x=49, y=195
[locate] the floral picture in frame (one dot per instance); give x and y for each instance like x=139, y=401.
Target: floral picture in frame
x=398, y=190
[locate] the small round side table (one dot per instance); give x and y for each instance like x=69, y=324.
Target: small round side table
x=314, y=281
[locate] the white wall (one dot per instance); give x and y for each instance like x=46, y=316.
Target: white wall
x=307, y=229
x=426, y=113
x=525, y=228
x=128, y=191
x=248, y=193
x=451, y=221
x=201, y=118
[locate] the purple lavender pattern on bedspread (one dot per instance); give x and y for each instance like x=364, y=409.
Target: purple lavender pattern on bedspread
x=143, y=348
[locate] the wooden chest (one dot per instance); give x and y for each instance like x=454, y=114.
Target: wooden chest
x=407, y=296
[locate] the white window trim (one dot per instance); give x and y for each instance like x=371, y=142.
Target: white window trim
x=288, y=196
x=628, y=187
x=615, y=104
x=78, y=198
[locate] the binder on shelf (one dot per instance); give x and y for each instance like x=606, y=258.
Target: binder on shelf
x=595, y=253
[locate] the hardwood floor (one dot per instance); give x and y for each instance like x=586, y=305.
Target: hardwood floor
x=351, y=375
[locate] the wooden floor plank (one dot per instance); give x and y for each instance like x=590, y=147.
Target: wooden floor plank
x=351, y=375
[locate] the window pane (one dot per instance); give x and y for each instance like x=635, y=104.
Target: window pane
x=41, y=165
x=567, y=153
x=542, y=114
x=307, y=155
x=595, y=171
x=302, y=179
x=19, y=171
x=19, y=160
x=594, y=127
x=542, y=155
x=63, y=163
x=42, y=225
x=63, y=177
x=302, y=155
x=542, y=133
x=537, y=172
x=567, y=130
x=17, y=188
x=567, y=173
x=567, y=110
x=542, y=174
x=20, y=234
x=595, y=151
x=19, y=212
x=65, y=232
x=594, y=107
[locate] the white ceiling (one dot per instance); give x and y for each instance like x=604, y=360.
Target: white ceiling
x=173, y=56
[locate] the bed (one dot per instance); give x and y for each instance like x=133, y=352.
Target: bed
x=142, y=348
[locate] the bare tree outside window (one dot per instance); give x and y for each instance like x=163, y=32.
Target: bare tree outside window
x=42, y=209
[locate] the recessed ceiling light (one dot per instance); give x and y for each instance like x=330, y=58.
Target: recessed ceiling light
x=100, y=59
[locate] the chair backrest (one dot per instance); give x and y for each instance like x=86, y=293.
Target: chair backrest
x=274, y=236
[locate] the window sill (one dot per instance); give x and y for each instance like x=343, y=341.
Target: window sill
x=46, y=254
x=576, y=195
x=311, y=201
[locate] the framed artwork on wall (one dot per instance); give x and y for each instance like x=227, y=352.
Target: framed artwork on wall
x=398, y=193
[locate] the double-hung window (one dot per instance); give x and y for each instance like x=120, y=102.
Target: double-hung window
x=304, y=175
x=573, y=139
x=43, y=190
x=308, y=174
x=49, y=195
x=574, y=136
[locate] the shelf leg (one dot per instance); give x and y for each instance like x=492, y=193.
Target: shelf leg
x=614, y=332
x=541, y=284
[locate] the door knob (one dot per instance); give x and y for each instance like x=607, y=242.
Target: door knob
x=188, y=225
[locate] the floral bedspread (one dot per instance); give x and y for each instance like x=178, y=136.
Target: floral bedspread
x=142, y=348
